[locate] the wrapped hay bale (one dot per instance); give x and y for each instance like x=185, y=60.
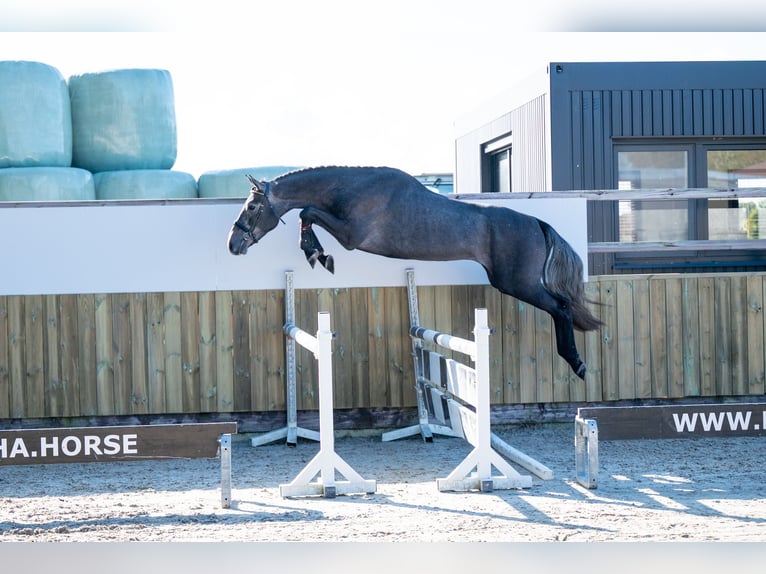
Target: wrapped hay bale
x=46, y=184
x=145, y=184
x=234, y=183
x=35, y=116
x=123, y=119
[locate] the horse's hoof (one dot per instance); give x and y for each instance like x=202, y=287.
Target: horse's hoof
x=581, y=371
x=329, y=264
x=311, y=257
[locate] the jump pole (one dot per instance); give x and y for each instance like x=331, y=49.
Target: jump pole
x=292, y=431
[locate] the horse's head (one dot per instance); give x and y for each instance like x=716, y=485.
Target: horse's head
x=255, y=220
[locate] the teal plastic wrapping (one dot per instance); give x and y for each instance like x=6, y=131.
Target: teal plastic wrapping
x=145, y=184
x=123, y=119
x=234, y=183
x=46, y=184
x=35, y=116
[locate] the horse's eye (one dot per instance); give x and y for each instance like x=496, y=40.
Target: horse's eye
x=251, y=207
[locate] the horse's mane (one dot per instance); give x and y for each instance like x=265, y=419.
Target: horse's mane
x=305, y=170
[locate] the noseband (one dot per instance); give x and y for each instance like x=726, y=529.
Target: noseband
x=248, y=230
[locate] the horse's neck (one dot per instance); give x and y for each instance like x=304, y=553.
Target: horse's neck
x=301, y=189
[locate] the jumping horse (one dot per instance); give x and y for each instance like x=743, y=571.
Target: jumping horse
x=387, y=212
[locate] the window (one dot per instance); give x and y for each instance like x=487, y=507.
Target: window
x=501, y=170
x=679, y=164
x=659, y=220
x=742, y=218
x=497, y=165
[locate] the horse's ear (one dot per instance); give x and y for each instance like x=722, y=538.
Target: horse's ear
x=258, y=186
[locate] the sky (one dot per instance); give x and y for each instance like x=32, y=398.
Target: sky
x=340, y=82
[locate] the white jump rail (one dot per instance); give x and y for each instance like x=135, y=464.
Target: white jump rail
x=459, y=393
x=324, y=465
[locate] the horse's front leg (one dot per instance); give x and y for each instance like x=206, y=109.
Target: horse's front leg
x=312, y=249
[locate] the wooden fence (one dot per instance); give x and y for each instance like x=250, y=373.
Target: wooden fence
x=665, y=336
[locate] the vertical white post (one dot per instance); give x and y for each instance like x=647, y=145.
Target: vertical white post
x=225, y=450
x=326, y=422
x=481, y=337
x=292, y=406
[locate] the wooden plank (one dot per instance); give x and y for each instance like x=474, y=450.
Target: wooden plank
x=207, y=352
x=708, y=330
x=139, y=397
x=190, y=351
x=86, y=355
x=123, y=353
x=609, y=348
x=259, y=358
x=462, y=315
x=155, y=344
x=494, y=305
x=243, y=395
x=342, y=326
x=511, y=357
x=678, y=421
x=275, y=350
x=376, y=300
x=658, y=334
x=224, y=348
x=54, y=385
x=360, y=349
x=69, y=354
x=674, y=326
x=409, y=396
x=104, y=355
x=594, y=376
x=34, y=356
x=723, y=365
x=173, y=353
x=527, y=352
x=691, y=337
x=396, y=327
x=642, y=339
x=5, y=387
x=626, y=366
x=444, y=320
x=112, y=444
x=739, y=334
x=544, y=355
x=755, y=335
x=307, y=375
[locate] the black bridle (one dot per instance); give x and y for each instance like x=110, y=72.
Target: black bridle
x=248, y=230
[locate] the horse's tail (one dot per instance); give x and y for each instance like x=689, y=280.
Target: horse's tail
x=563, y=276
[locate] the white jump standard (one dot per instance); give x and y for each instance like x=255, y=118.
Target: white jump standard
x=451, y=391
x=324, y=465
x=292, y=431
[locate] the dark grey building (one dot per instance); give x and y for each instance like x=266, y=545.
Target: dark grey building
x=636, y=125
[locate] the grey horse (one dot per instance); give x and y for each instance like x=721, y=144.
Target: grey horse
x=387, y=212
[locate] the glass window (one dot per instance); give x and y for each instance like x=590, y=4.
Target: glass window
x=501, y=170
x=743, y=218
x=659, y=220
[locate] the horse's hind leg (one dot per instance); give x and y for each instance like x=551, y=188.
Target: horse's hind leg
x=313, y=249
x=565, y=341
x=561, y=313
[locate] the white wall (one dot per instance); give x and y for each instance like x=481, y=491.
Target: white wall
x=181, y=246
